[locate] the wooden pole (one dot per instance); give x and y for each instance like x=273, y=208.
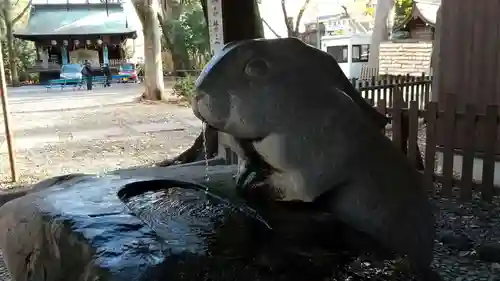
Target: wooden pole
x=5, y=110
x=230, y=21
x=215, y=26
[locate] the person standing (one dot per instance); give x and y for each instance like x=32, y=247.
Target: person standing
x=107, y=73
x=87, y=75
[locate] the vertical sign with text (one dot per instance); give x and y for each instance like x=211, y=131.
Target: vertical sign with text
x=214, y=12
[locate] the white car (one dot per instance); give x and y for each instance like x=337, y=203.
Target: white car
x=71, y=71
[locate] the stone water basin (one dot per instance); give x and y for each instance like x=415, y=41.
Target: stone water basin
x=155, y=224
x=131, y=225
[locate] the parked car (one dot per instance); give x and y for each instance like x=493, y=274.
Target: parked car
x=71, y=71
x=128, y=69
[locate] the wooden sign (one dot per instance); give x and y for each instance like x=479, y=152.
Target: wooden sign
x=215, y=28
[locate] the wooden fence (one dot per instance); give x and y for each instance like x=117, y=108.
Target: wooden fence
x=446, y=119
x=411, y=88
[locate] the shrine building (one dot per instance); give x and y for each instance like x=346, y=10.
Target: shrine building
x=71, y=33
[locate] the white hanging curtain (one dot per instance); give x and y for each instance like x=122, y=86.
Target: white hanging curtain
x=380, y=31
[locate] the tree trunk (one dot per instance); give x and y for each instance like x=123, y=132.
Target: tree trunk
x=241, y=20
x=11, y=52
x=177, y=59
x=299, y=17
x=380, y=31
x=147, y=10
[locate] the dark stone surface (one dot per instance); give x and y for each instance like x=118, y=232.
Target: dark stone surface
x=296, y=107
x=489, y=252
x=455, y=241
x=77, y=228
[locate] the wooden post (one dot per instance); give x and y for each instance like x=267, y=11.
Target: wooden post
x=491, y=125
x=216, y=36
x=5, y=110
x=468, y=154
x=449, y=141
x=430, y=145
x=215, y=26
x=466, y=59
x=230, y=21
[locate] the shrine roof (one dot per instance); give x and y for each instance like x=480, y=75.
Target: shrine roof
x=426, y=10
x=68, y=20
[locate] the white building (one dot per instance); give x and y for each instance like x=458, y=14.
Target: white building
x=137, y=45
x=324, y=11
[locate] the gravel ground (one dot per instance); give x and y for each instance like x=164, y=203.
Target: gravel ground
x=463, y=228
x=96, y=155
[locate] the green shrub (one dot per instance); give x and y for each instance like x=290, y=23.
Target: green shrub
x=184, y=87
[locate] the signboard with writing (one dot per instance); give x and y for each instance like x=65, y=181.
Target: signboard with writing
x=214, y=12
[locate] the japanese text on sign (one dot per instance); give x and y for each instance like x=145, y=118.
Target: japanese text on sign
x=215, y=27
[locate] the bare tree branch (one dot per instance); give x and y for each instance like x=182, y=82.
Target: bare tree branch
x=270, y=28
x=22, y=13
x=346, y=13
x=289, y=28
x=300, y=15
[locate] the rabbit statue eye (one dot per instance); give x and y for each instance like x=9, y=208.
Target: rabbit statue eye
x=257, y=68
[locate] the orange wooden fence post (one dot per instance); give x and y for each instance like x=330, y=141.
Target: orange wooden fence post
x=5, y=110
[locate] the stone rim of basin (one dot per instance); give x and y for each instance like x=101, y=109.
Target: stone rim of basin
x=137, y=188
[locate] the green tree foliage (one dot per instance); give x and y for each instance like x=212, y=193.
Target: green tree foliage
x=25, y=58
x=13, y=14
x=196, y=35
x=402, y=9
x=185, y=33
x=185, y=87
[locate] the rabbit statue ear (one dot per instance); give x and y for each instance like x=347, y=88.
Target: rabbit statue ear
x=229, y=45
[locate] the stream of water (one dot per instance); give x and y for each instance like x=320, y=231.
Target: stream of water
x=205, y=150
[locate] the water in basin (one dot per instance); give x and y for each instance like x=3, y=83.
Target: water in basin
x=190, y=219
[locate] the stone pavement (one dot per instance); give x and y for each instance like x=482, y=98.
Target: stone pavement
x=60, y=132
x=23, y=141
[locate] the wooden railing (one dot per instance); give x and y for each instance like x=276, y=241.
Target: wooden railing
x=411, y=88
x=474, y=119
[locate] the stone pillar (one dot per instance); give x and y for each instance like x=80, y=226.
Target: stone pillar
x=349, y=59
x=105, y=56
x=44, y=56
x=64, y=55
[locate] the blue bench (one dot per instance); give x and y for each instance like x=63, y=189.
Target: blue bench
x=62, y=83
x=98, y=80
x=79, y=83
